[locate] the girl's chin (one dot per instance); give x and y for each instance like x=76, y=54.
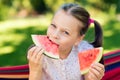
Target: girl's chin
x=61, y=49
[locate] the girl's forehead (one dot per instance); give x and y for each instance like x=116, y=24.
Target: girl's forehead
x=62, y=18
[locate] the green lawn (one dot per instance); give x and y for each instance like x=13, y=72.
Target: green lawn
x=112, y=35
x=15, y=38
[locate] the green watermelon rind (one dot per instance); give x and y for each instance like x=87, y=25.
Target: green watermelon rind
x=48, y=54
x=97, y=60
x=35, y=41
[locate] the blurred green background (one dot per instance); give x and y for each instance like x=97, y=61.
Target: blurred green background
x=21, y=18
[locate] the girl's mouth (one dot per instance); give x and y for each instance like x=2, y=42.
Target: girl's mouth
x=52, y=41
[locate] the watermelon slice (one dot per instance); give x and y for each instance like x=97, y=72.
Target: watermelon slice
x=51, y=49
x=88, y=57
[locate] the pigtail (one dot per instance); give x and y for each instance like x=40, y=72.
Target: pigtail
x=98, y=35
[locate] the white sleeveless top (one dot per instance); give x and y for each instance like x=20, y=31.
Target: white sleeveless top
x=67, y=69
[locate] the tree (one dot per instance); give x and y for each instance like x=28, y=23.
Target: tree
x=38, y=5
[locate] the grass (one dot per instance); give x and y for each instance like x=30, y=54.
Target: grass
x=111, y=35
x=15, y=38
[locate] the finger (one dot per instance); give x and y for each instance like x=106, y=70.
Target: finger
x=30, y=52
x=39, y=55
x=99, y=67
x=37, y=50
x=95, y=73
x=92, y=76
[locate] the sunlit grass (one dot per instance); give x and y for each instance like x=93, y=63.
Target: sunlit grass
x=6, y=50
x=108, y=33
x=10, y=37
x=15, y=38
x=23, y=23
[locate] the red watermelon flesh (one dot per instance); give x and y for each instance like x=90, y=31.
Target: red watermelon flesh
x=88, y=57
x=51, y=49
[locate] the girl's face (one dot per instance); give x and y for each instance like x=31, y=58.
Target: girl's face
x=64, y=31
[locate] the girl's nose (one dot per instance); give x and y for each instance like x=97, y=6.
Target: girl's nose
x=55, y=35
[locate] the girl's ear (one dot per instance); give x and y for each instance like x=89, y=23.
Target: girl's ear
x=79, y=40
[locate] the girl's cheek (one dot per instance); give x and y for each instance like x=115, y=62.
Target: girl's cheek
x=49, y=32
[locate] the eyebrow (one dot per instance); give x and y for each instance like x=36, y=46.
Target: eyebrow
x=53, y=24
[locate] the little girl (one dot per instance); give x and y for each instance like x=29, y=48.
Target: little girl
x=67, y=29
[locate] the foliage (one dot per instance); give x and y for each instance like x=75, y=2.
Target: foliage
x=52, y=5
x=12, y=8
x=39, y=5
x=3, y=12
x=113, y=2
x=6, y=2
x=4, y=8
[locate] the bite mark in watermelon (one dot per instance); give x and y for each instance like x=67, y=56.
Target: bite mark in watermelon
x=51, y=49
x=88, y=57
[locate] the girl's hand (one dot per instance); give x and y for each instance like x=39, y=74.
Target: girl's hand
x=35, y=62
x=96, y=72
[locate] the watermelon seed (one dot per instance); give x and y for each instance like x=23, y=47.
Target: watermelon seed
x=91, y=55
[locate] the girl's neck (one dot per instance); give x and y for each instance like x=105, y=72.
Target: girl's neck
x=64, y=54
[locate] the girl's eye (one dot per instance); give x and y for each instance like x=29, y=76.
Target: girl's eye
x=66, y=32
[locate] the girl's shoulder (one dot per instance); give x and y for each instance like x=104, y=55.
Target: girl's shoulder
x=84, y=45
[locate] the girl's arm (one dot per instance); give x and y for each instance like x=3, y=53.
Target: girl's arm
x=34, y=57
x=96, y=72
